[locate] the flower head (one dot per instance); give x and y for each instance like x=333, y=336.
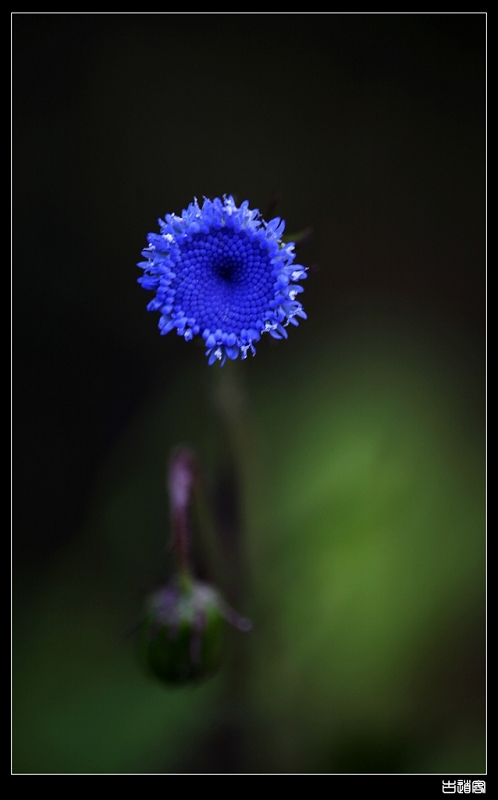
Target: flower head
x=221, y=272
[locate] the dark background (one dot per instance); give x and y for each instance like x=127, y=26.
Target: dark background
x=370, y=129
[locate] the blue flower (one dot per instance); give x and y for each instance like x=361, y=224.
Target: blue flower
x=221, y=272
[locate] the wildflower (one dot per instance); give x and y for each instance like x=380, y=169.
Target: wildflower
x=180, y=637
x=221, y=272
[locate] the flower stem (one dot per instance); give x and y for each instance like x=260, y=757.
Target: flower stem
x=181, y=477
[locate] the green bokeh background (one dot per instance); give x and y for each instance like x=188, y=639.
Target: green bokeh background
x=348, y=462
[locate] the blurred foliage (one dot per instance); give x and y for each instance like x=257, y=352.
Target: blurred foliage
x=365, y=534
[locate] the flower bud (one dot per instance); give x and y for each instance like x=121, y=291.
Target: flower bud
x=181, y=637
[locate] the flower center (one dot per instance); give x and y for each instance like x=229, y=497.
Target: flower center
x=227, y=270
x=225, y=281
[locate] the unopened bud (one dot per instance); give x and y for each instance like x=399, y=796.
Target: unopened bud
x=181, y=637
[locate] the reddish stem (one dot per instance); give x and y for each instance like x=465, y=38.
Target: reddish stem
x=181, y=477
